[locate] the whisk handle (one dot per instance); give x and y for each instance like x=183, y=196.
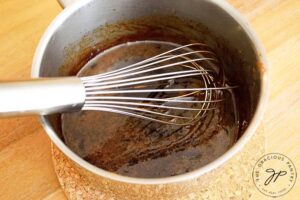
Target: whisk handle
x=41, y=96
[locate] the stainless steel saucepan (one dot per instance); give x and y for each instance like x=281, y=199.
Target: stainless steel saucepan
x=75, y=29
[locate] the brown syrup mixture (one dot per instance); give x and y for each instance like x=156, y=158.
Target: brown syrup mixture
x=141, y=148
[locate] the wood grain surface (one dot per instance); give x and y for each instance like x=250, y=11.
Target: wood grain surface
x=26, y=170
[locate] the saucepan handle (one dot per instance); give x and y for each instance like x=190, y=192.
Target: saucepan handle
x=66, y=3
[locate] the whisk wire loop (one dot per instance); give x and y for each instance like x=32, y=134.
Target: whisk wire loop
x=175, y=87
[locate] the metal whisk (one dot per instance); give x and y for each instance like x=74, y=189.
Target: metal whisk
x=178, y=86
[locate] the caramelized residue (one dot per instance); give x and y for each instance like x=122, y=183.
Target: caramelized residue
x=140, y=148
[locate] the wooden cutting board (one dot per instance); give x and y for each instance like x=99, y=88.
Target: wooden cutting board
x=26, y=170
